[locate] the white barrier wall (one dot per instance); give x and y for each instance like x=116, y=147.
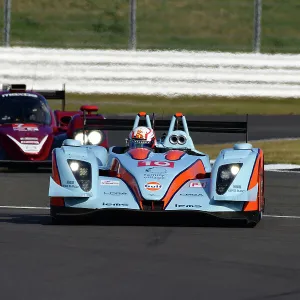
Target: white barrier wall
x=153, y=72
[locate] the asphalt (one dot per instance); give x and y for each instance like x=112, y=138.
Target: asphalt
x=260, y=127
x=43, y=261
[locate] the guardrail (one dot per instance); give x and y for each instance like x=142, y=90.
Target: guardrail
x=153, y=72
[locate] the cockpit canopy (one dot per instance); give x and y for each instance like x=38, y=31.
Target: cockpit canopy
x=24, y=108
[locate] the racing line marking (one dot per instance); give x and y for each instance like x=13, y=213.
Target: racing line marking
x=277, y=216
x=23, y=207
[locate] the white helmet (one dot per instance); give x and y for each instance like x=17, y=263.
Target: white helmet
x=142, y=137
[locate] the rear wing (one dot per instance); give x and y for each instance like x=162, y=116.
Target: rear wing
x=48, y=94
x=178, y=121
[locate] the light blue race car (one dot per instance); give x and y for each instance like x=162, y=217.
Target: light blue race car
x=173, y=177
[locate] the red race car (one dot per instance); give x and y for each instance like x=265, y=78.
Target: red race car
x=30, y=130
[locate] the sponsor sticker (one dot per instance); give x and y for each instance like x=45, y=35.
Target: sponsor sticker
x=25, y=127
x=198, y=184
x=30, y=148
x=188, y=206
x=115, y=193
x=30, y=142
x=153, y=163
x=29, y=138
x=19, y=94
x=191, y=195
x=153, y=186
x=110, y=182
x=115, y=204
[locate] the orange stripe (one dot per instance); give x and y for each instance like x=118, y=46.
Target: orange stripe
x=255, y=178
x=55, y=174
x=182, y=178
x=132, y=184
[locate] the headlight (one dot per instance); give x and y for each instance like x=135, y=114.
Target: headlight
x=82, y=138
x=225, y=176
x=95, y=137
x=82, y=172
x=74, y=166
x=235, y=169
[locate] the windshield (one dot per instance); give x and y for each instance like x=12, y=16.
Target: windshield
x=25, y=108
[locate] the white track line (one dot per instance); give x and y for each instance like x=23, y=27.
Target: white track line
x=23, y=207
x=285, y=217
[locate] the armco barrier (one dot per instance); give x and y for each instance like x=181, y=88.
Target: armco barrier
x=153, y=72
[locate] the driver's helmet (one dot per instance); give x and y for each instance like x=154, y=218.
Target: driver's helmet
x=142, y=137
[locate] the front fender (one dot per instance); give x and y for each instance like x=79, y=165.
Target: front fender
x=245, y=184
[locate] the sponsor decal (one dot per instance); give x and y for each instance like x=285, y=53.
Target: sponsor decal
x=191, y=195
x=110, y=182
x=154, y=176
x=25, y=127
x=19, y=94
x=30, y=142
x=198, y=184
x=237, y=186
x=153, y=186
x=29, y=139
x=155, y=170
x=140, y=134
x=236, y=191
x=155, y=173
x=115, y=193
x=71, y=184
x=30, y=148
x=153, y=163
x=115, y=204
x=188, y=205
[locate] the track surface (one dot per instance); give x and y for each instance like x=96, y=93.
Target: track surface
x=260, y=127
x=41, y=261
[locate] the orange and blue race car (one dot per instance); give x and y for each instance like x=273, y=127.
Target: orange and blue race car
x=170, y=178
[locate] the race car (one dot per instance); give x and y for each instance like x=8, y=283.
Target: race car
x=30, y=130
x=172, y=177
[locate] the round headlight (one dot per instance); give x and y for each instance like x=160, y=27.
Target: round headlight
x=95, y=137
x=74, y=166
x=234, y=169
x=81, y=138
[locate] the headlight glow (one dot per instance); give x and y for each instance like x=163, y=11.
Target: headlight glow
x=74, y=166
x=95, y=137
x=234, y=169
x=82, y=172
x=80, y=137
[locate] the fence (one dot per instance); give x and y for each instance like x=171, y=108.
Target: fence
x=200, y=25
x=153, y=72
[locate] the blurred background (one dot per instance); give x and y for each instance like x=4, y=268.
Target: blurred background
x=214, y=25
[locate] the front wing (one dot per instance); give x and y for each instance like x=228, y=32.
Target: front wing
x=112, y=194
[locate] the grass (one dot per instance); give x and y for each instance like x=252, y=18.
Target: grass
x=131, y=104
x=279, y=151
x=161, y=24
